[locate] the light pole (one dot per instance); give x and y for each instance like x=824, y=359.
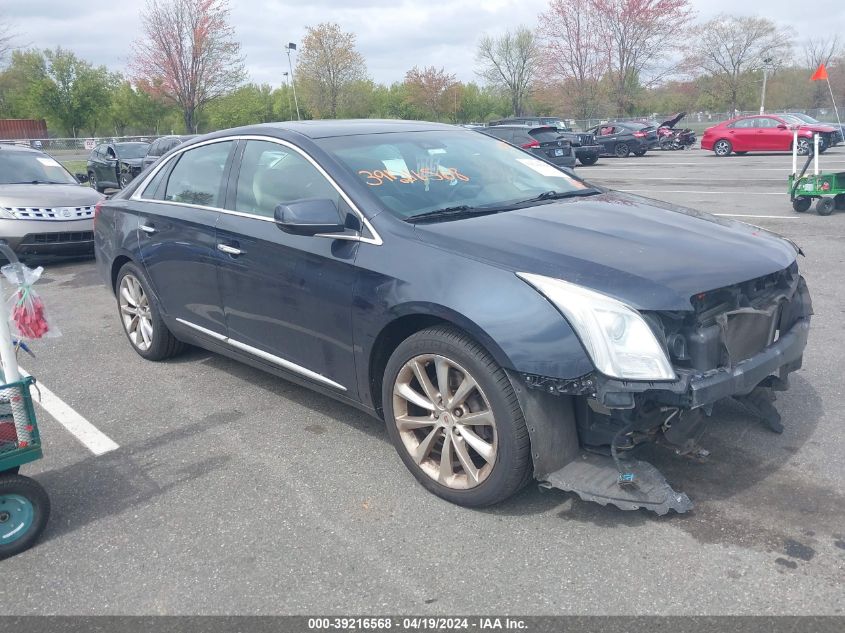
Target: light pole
x=767, y=64
x=292, y=47
x=287, y=85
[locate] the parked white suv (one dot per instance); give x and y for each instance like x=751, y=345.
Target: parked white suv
x=43, y=208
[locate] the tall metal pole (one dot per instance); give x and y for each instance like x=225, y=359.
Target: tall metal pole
x=287, y=85
x=290, y=47
x=763, y=96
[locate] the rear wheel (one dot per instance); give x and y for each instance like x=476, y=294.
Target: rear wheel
x=801, y=204
x=804, y=147
x=140, y=316
x=24, y=510
x=454, y=419
x=839, y=201
x=621, y=150
x=92, y=179
x=589, y=159
x=722, y=147
x=825, y=206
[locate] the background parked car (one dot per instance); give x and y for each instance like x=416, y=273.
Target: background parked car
x=114, y=165
x=43, y=208
x=621, y=139
x=763, y=133
x=163, y=145
x=806, y=119
x=545, y=141
x=584, y=144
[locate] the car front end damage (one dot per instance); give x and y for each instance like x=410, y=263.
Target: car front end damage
x=739, y=342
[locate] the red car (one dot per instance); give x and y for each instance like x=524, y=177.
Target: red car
x=764, y=133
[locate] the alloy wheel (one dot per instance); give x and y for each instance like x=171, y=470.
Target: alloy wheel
x=722, y=148
x=445, y=421
x=803, y=147
x=16, y=517
x=135, y=312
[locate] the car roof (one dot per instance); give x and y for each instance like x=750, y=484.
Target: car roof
x=339, y=127
x=7, y=147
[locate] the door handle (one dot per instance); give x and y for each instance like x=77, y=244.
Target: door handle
x=229, y=250
x=146, y=228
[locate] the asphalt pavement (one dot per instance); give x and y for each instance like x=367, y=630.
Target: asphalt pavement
x=235, y=492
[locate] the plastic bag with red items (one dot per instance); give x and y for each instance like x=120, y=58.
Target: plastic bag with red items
x=28, y=319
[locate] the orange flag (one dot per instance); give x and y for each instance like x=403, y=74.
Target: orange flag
x=820, y=74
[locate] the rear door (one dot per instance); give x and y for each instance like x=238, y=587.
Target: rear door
x=177, y=235
x=287, y=298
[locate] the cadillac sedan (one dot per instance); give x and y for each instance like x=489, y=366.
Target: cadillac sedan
x=506, y=319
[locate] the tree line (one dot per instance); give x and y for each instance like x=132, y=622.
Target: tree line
x=583, y=59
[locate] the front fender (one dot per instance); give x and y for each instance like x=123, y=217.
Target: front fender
x=516, y=324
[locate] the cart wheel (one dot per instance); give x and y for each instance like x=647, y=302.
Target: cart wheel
x=825, y=206
x=839, y=201
x=801, y=204
x=24, y=510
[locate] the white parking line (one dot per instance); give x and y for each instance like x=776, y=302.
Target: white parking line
x=89, y=435
x=752, y=215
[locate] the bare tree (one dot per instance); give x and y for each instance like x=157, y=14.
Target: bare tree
x=728, y=47
x=640, y=39
x=7, y=37
x=819, y=51
x=510, y=61
x=571, y=45
x=430, y=88
x=189, y=50
x=328, y=66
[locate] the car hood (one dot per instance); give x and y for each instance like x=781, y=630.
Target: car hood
x=816, y=127
x=48, y=196
x=670, y=123
x=649, y=254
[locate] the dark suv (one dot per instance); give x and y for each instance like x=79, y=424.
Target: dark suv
x=545, y=141
x=584, y=144
x=114, y=165
x=163, y=145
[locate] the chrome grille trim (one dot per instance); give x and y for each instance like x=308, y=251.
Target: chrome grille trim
x=60, y=213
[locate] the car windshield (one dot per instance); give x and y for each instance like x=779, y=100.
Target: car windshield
x=792, y=118
x=132, y=150
x=419, y=172
x=30, y=167
x=803, y=117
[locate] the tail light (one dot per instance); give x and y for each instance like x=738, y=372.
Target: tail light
x=640, y=134
x=97, y=208
x=531, y=143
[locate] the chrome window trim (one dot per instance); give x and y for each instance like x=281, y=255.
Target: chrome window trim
x=254, y=351
x=136, y=195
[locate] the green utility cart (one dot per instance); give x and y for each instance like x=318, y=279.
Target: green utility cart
x=24, y=505
x=828, y=189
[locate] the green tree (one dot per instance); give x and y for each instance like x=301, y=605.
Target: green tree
x=244, y=106
x=74, y=94
x=19, y=83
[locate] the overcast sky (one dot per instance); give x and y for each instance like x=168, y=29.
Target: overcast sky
x=393, y=35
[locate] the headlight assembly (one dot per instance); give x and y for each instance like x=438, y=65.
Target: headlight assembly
x=618, y=340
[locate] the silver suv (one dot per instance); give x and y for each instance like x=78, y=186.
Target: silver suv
x=43, y=208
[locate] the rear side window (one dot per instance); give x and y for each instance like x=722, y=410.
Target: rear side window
x=198, y=176
x=272, y=174
x=502, y=133
x=544, y=136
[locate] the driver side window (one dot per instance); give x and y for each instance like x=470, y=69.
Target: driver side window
x=272, y=174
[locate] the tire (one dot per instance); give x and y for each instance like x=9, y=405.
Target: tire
x=839, y=201
x=589, y=159
x=24, y=511
x=124, y=181
x=147, y=333
x=501, y=461
x=825, y=206
x=722, y=148
x=804, y=147
x=621, y=150
x=801, y=204
x=92, y=179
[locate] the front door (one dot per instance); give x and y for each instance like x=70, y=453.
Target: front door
x=177, y=236
x=287, y=298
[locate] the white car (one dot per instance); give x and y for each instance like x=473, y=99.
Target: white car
x=44, y=210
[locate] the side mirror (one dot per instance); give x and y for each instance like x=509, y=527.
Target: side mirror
x=81, y=177
x=309, y=217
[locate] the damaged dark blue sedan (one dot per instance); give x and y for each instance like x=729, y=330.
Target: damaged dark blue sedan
x=507, y=320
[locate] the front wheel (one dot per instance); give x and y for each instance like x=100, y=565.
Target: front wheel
x=140, y=315
x=722, y=148
x=825, y=206
x=621, y=150
x=589, y=159
x=839, y=201
x=92, y=179
x=454, y=419
x=804, y=147
x=801, y=204
x=24, y=510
